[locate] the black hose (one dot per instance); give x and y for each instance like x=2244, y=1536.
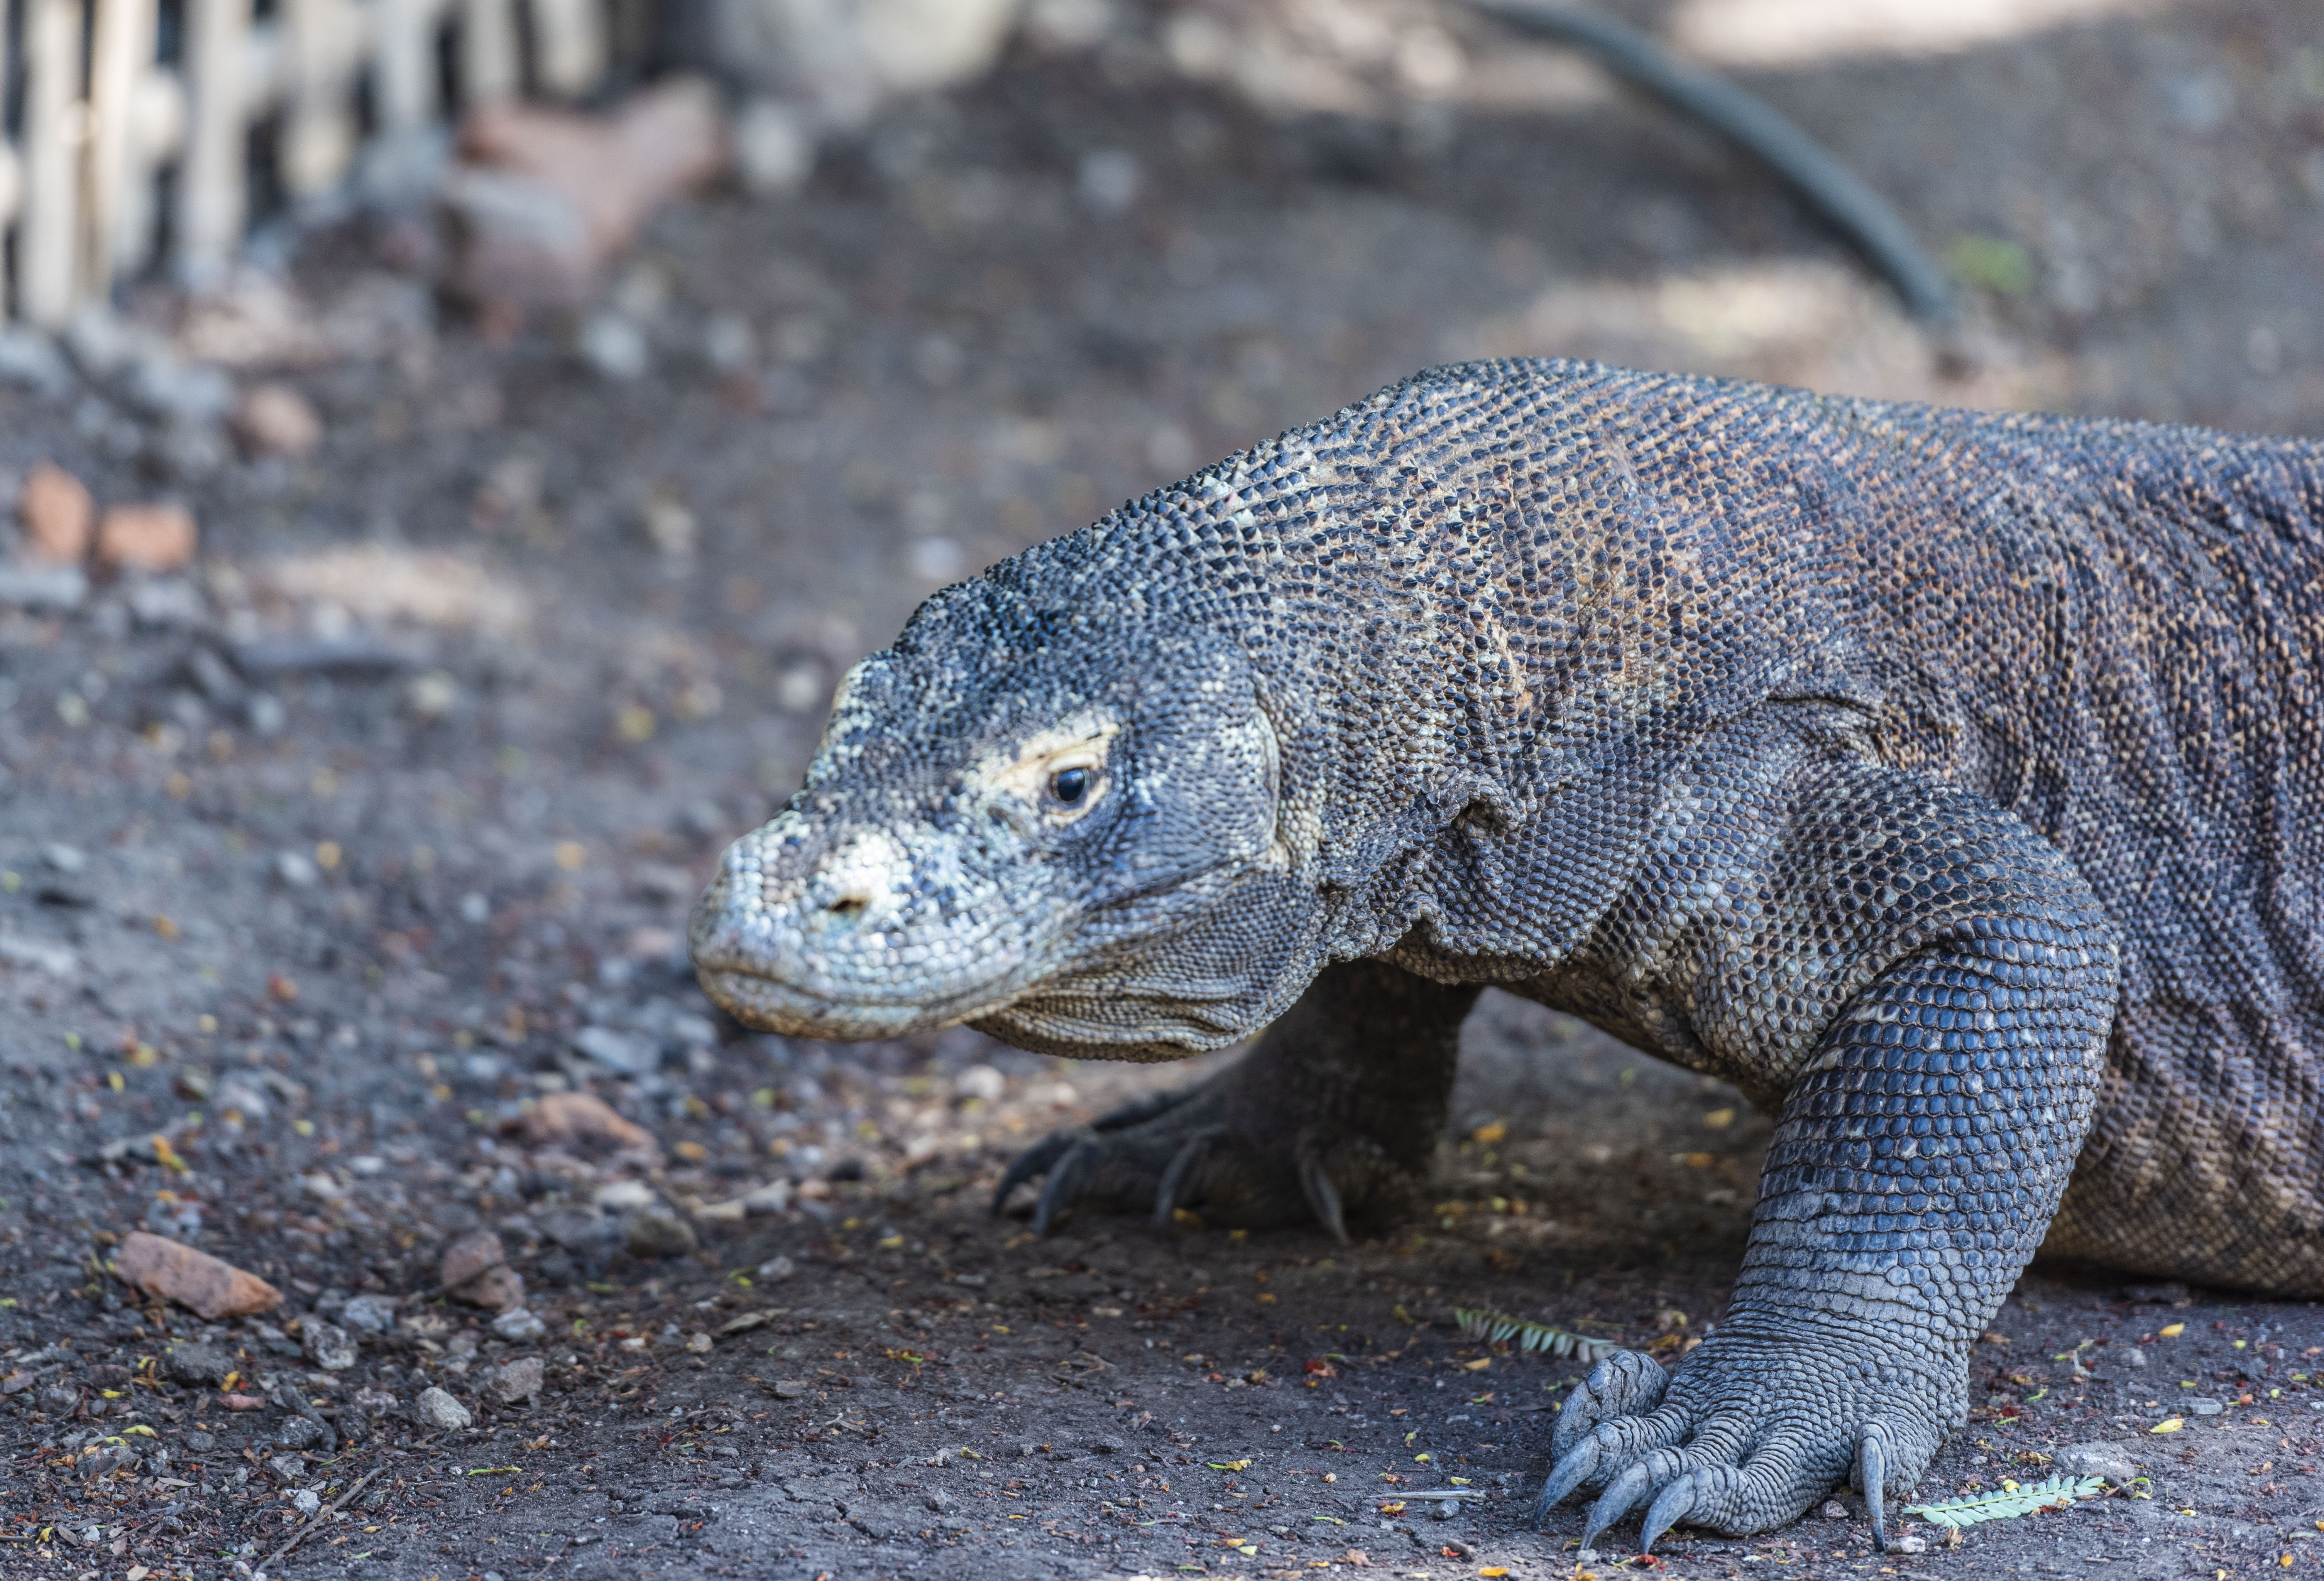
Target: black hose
x=1828, y=186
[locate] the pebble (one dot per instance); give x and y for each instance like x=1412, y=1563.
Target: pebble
x=624, y=1052
x=474, y=1253
x=197, y=1440
x=327, y=1346
x=1911, y=1545
x=519, y=1379
x=438, y=1409
x=614, y=347
x=775, y=1268
x=1107, y=1443
x=151, y=538
x=288, y=1467
x=519, y=1326
x=61, y=589
x=298, y=1432
x=196, y=1280
x=307, y=1501
x=789, y=1388
x=275, y=419
x=2200, y=1407
x=296, y=870
x=58, y=1401
x=57, y=514
x=651, y=1236
x=372, y=1314
x=2111, y=1461
x=1834, y=1510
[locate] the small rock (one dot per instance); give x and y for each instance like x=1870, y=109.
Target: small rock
x=197, y=1363
x=495, y=1289
x=211, y=1288
x=307, y=1501
x=981, y=1082
x=2200, y=1407
x=57, y=514
x=106, y=1458
x=1834, y=1510
x=298, y=1432
x=199, y=1441
x=58, y=1401
x=59, y=589
x=519, y=1379
x=624, y=1052
x=774, y=1268
x=2126, y=1355
x=1910, y=1545
x=614, y=347
x=1106, y=1444
x=472, y=1254
x=288, y=1467
x=2111, y=1461
x=374, y=1402
x=243, y=1401
x=296, y=870
x=68, y=859
x=789, y=1388
x=372, y=1314
x=568, y=1119
x=146, y=537
x=274, y=419
x=40, y=955
x=518, y=1325
x=438, y=1410
x=625, y=1196
x=651, y=1236
x=327, y=1346
x=774, y=147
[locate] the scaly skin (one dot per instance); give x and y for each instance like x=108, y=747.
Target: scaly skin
x=1954, y=784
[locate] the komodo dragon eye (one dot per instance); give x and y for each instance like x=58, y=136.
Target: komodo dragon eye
x=1069, y=786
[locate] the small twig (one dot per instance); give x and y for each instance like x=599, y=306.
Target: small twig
x=321, y=1516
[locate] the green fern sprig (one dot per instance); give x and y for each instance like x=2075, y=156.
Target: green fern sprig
x=1494, y=1328
x=2009, y=1502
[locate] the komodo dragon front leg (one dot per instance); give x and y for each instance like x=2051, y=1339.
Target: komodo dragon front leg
x=1923, y=988
x=1333, y=1114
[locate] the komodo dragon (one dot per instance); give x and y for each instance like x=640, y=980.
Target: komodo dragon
x=1952, y=782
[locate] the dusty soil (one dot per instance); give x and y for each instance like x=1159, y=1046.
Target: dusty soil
x=328, y=864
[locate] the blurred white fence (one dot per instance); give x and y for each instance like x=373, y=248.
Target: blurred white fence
x=111, y=95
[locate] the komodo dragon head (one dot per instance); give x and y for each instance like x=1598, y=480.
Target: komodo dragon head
x=1030, y=813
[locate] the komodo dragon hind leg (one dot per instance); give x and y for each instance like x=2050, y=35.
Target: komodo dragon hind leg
x=1332, y=1115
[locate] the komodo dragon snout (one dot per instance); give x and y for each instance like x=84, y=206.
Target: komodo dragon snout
x=1001, y=821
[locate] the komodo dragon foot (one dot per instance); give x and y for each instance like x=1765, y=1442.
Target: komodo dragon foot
x=1751, y=1431
x=1333, y=1116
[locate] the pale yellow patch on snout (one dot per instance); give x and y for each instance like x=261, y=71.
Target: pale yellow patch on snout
x=861, y=880
x=1024, y=773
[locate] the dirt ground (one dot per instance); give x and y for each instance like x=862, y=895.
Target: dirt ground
x=332, y=864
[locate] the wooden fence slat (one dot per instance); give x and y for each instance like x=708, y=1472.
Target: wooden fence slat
x=54, y=122
x=116, y=207
x=403, y=35
x=212, y=205
x=489, y=71
x=568, y=45
x=318, y=142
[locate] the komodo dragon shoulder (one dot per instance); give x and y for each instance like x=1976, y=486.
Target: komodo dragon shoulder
x=1951, y=782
